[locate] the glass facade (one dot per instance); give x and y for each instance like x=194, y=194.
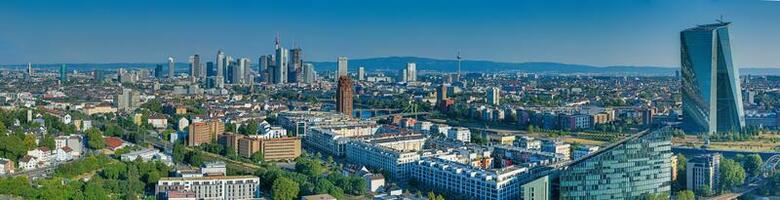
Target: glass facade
x=711, y=96
x=636, y=166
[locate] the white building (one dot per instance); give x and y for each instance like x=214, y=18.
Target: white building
x=459, y=133
x=411, y=72
x=217, y=187
x=396, y=163
x=494, y=96
x=468, y=181
x=343, y=67
x=557, y=147
x=183, y=124
x=528, y=143
x=148, y=154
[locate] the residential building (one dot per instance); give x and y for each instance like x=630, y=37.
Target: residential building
x=205, y=132
x=7, y=166
x=212, y=187
x=467, y=181
x=494, y=96
x=583, y=150
x=459, y=133
x=557, y=147
x=703, y=171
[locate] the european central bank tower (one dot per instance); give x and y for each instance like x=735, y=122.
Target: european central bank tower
x=711, y=96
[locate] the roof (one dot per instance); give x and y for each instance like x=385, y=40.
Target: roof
x=113, y=142
x=318, y=197
x=709, y=27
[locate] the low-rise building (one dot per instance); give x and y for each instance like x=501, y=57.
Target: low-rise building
x=468, y=181
x=459, y=133
x=582, y=151
x=6, y=166
x=703, y=171
x=212, y=187
x=396, y=162
x=556, y=147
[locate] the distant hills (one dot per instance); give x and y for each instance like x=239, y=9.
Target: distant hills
x=395, y=63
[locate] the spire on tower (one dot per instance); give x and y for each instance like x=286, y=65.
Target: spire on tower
x=276, y=41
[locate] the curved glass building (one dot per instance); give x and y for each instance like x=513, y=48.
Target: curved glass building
x=711, y=96
x=630, y=169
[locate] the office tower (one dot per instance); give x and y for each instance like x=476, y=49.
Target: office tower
x=344, y=96
x=703, y=170
x=264, y=63
x=30, y=71
x=636, y=166
x=205, y=132
x=294, y=71
x=309, y=75
x=211, y=70
x=239, y=71
x=158, y=72
x=343, y=66
x=128, y=100
x=171, y=67
x=280, y=68
x=494, y=96
x=711, y=96
x=411, y=72
x=361, y=73
x=63, y=73
x=403, y=75
x=220, y=63
x=196, y=68
x=208, y=187
x=441, y=94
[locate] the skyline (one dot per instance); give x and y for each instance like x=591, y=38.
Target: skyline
x=645, y=34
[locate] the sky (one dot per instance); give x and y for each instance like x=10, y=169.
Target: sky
x=601, y=33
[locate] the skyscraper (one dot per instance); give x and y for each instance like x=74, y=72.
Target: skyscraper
x=403, y=75
x=63, y=73
x=309, y=75
x=711, y=96
x=282, y=59
x=361, y=73
x=633, y=167
x=220, y=63
x=211, y=70
x=30, y=71
x=494, y=96
x=411, y=72
x=171, y=67
x=343, y=67
x=344, y=96
x=264, y=63
x=196, y=69
x=294, y=71
x=158, y=72
x=441, y=94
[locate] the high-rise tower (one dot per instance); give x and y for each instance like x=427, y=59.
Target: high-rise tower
x=282, y=59
x=344, y=96
x=711, y=96
x=171, y=67
x=343, y=67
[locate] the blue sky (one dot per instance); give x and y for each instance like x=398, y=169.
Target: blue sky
x=599, y=33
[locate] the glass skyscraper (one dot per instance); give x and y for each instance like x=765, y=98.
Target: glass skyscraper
x=636, y=166
x=711, y=96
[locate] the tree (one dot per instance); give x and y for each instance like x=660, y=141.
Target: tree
x=94, y=190
x=685, y=195
x=178, y=153
x=95, y=139
x=284, y=189
x=731, y=174
x=682, y=164
x=194, y=158
x=431, y=195
x=258, y=156
x=29, y=142
x=752, y=164
x=48, y=142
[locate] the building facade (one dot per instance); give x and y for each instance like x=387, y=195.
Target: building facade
x=628, y=169
x=712, y=101
x=217, y=187
x=344, y=96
